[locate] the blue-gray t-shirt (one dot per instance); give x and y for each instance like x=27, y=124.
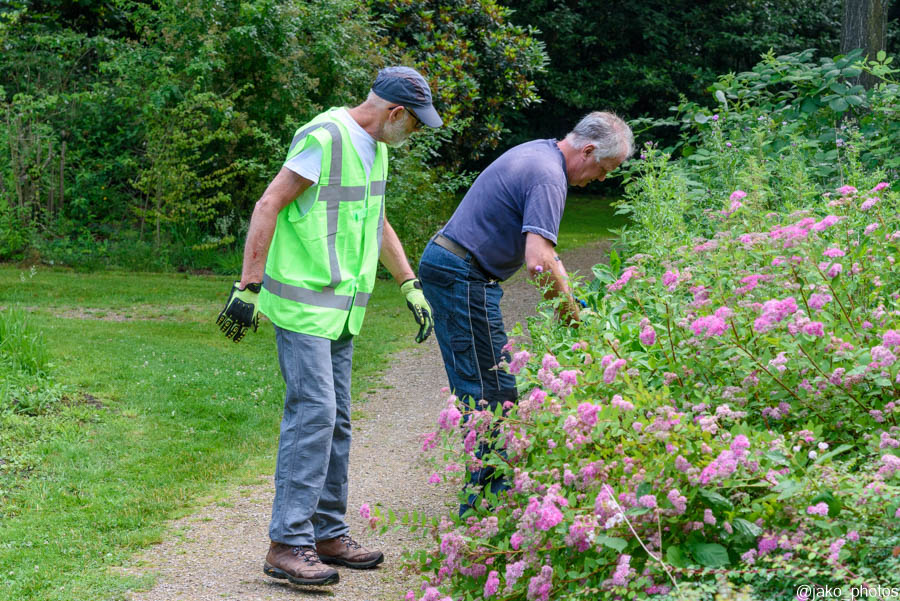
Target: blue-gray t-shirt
x=524, y=190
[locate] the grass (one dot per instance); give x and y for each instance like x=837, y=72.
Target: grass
x=157, y=410
x=586, y=219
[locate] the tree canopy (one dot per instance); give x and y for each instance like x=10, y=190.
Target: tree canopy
x=133, y=124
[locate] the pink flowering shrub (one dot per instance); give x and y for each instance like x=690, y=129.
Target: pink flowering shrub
x=729, y=408
x=695, y=422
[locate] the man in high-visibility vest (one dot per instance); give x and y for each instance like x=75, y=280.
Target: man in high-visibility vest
x=312, y=249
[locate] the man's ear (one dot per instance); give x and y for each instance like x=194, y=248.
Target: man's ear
x=588, y=150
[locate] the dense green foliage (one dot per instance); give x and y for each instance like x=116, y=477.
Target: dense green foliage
x=725, y=419
x=172, y=123
x=482, y=64
x=637, y=58
x=787, y=131
x=140, y=135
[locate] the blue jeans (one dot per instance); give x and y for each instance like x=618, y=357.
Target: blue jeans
x=469, y=330
x=314, y=446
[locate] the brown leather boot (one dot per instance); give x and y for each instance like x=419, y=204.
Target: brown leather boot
x=345, y=551
x=299, y=565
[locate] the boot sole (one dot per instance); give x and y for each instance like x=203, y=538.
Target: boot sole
x=274, y=572
x=355, y=565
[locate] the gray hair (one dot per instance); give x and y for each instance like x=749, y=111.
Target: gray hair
x=377, y=101
x=607, y=132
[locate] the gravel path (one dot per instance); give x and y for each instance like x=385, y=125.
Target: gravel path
x=218, y=552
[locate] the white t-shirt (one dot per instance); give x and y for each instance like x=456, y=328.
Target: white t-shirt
x=308, y=163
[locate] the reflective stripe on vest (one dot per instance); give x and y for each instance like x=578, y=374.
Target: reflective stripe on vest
x=324, y=298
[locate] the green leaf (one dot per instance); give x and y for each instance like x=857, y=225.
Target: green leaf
x=776, y=457
x=745, y=529
x=838, y=105
x=710, y=555
x=715, y=500
x=787, y=489
x=612, y=542
x=835, y=452
x=677, y=556
x=720, y=96
x=809, y=105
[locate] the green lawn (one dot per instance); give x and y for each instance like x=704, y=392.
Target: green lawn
x=160, y=411
x=586, y=219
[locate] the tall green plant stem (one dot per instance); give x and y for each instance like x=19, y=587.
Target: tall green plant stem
x=672, y=345
x=802, y=293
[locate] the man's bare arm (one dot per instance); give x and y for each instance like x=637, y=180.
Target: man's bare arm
x=281, y=192
x=393, y=256
x=545, y=266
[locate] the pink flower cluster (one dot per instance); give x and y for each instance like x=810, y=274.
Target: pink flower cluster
x=623, y=572
x=820, y=509
x=611, y=367
x=817, y=301
x=678, y=501
x=629, y=273
x=891, y=465
x=774, y=311
x=539, y=586
x=648, y=334
x=581, y=532
x=544, y=514
x=519, y=361
x=736, y=203
x=793, y=233
x=449, y=418
x=727, y=461
x=712, y=325
x=671, y=279
x=492, y=584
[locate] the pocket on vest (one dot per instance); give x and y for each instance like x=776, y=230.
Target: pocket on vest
x=311, y=225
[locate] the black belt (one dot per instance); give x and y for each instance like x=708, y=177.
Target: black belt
x=461, y=252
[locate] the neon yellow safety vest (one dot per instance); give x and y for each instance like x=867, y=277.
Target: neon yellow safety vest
x=320, y=271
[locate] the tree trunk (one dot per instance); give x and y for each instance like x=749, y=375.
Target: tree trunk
x=864, y=26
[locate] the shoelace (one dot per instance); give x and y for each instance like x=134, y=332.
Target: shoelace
x=345, y=538
x=308, y=554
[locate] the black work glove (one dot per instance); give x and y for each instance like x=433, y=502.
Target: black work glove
x=241, y=311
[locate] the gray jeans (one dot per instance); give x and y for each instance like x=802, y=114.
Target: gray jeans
x=314, y=447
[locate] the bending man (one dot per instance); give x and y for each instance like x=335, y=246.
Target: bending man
x=510, y=215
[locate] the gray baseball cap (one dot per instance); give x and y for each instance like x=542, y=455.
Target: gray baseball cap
x=406, y=86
